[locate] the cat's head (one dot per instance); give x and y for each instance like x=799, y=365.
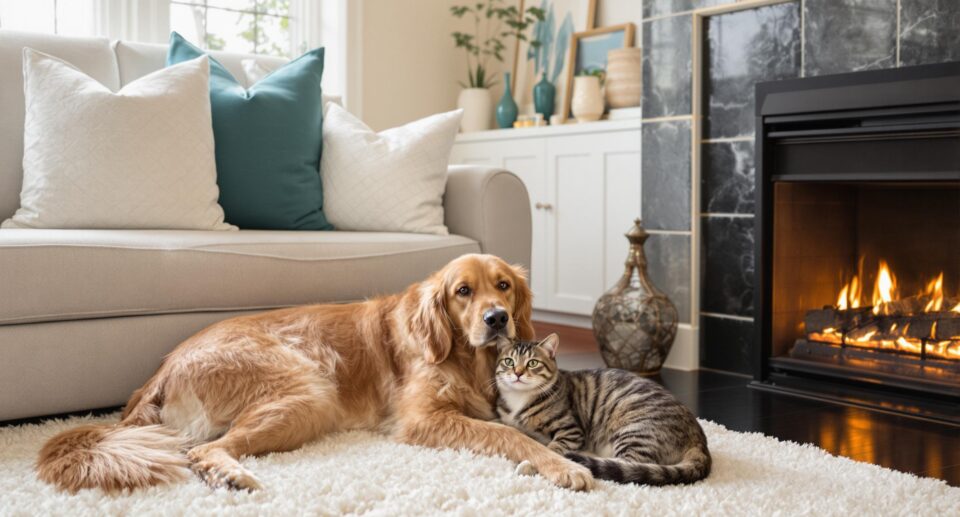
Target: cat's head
x=528, y=365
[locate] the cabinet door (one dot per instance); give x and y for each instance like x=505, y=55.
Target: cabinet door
x=593, y=182
x=525, y=158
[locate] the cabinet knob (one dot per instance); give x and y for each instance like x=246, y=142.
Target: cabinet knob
x=544, y=206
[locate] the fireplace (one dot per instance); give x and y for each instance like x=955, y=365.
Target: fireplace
x=858, y=239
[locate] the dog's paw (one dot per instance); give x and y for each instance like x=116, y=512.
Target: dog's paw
x=567, y=474
x=219, y=475
x=525, y=468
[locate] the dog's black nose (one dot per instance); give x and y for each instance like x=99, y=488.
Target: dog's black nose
x=496, y=319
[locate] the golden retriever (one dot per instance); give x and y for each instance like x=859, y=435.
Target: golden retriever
x=417, y=365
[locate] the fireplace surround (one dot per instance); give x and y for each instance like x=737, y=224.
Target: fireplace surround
x=857, y=286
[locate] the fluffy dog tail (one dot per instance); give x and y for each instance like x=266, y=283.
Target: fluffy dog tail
x=113, y=457
x=694, y=466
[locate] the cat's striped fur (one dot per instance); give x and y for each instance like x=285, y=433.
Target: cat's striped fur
x=621, y=426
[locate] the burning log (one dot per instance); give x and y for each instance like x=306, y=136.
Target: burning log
x=918, y=333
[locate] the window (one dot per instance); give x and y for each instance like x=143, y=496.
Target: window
x=254, y=26
x=71, y=17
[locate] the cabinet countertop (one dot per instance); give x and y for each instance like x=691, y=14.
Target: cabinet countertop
x=548, y=131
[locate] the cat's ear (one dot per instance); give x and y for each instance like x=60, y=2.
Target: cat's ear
x=550, y=344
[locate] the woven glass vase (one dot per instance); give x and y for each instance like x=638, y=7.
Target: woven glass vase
x=634, y=322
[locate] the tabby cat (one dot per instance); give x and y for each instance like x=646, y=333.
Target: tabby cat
x=639, y=432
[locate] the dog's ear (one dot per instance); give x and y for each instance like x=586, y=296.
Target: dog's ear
x=523, y=304
x=430, y=324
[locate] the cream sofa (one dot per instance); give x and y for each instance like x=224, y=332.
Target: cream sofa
x=87, y=315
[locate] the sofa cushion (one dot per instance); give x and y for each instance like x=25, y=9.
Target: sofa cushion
x=53, y=275
x=92, y=56
x=136, y=60
x=144, y=158
x=268, y=142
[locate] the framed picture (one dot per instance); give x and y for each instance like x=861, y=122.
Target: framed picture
x=562, y=18
x=588, y=51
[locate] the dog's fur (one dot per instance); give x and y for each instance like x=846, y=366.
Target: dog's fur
x=418, y=365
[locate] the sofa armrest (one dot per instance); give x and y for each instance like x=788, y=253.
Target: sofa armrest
x=491, y=206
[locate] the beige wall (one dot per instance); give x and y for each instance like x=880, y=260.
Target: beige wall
x=408, y=67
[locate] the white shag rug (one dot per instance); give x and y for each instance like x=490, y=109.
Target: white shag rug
x=365, y=473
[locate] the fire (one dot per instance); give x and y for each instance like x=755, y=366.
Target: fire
x=935, y=291
x=885, y=289
x=893, y=321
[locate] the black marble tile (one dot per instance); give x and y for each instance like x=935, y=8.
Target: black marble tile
x=725, y=344
x=665, y=175
x=727, y=268
x=929, y=31
x=668, y=262
x=667, y=66
x=727, y=178
x=849, y=35
x=664, y=7
x=743, y=48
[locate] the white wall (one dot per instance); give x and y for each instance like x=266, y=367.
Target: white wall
x=402, y=64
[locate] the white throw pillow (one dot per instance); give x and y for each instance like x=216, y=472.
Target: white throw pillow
x=392, y=181
x=139, y=158
x=255, y=70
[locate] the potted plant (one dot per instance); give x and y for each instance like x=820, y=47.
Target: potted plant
x=492, y=22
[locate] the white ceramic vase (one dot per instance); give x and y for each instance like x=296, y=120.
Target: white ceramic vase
x=587, y=102
x=477, y=109
x=623, y=77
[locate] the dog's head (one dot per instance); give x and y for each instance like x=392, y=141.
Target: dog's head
x=479, y=300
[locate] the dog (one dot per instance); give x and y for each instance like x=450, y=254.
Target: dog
x=417, y=365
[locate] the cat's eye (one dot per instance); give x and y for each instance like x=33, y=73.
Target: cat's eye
x=508, y=362
x=533, y=363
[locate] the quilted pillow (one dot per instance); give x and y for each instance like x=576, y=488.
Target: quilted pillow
x=138, y=158
x=392, y=181
x=268, y=142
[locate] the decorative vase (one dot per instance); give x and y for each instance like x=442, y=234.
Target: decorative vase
x=544, y=95
x=634, y=323
x=587, y=103
x=623, y=77
x=507, y=108
x=476, y=106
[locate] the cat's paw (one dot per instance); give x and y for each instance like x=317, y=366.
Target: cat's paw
x=525, y=468
x=567, y=474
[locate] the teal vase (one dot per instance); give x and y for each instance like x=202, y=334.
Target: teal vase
x=544, y=95
x=507, y=107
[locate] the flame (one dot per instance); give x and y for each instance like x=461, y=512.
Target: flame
x=885, y=289
x=935, y=291
x=957, y=308
x=850, y=295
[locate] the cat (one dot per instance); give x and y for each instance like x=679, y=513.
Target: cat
x=638, y=430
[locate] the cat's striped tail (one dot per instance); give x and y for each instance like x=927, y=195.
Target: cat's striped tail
x=694, y=466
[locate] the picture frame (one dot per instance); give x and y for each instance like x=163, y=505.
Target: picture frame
x=596, y=43
x=563, y=18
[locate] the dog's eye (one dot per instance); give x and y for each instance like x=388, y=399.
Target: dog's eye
x=503, y=286
x=463, y=291
x=533, y=363
x=508, y=362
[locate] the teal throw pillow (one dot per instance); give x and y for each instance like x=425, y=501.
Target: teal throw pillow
x=268, y=142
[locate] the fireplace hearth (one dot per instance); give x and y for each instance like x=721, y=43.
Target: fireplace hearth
x=858, y=239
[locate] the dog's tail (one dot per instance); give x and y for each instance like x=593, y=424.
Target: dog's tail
x=136, y=453
x=112, y=457
x=694, y=466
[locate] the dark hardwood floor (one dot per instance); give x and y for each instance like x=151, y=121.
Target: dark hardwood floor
x=900, y=443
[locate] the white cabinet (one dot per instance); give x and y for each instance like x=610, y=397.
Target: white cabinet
x=584, y=184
